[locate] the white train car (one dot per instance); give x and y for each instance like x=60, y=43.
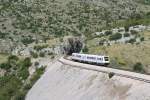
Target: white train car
x=96, y=59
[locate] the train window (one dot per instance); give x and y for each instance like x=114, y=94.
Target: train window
x=99, y=58
x=78, y=56
x=91, y=58
x=106, y=58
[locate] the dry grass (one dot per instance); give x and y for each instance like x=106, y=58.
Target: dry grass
x=126, y=54
x=3, y=57
x=53, y=42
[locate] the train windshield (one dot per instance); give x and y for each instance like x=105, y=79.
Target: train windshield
x=106, y=58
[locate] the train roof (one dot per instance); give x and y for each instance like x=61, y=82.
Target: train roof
x=89, y=54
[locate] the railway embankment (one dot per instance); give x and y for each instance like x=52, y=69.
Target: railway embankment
x=121, y=73
x=68, y=80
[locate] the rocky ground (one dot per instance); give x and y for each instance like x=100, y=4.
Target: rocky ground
x=63, y=82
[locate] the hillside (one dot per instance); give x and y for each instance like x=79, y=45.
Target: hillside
x=33, y=21
x=30, y=19
x=34, y=33
x=62, y=82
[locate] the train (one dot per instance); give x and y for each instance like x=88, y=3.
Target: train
x=92, y=59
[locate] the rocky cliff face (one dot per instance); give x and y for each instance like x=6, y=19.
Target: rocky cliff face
x=62, y=82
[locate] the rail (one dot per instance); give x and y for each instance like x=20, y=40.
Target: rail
x=117, y=72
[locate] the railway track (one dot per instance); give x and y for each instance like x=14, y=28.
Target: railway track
x=117, y=72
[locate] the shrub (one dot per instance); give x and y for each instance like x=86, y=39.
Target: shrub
x=115, y=36
x=9, y=86
x=36, y=63
x=34, y=55
x=133, y=32
x=126, y=35
x=5, y=66
x=111, y=74
x=42, y=54
x=142, y=39
x=13, y=57
x=127, y=28
x=27, y=40
x=19, y=96
x=108, y=33
x=37, y=74
x=132, y=41
x=52, y=57
x=50, y=53
x=23, y=73
x=40, y=47
x=138, y=67
x=27, y=62
x=85, y=49
x=28, y=86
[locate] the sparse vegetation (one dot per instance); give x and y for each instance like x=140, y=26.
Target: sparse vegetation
x=13, y=85
x=28, y=22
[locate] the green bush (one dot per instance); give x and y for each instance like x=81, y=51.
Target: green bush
x=27, y=40
x=111, y=74
x=108, y=33
x=13, y=57
x=27, y=86
x=52, y=57
x=36, y=63
x=27, y=62
x=50, y=53
x=37, y=74
x=133, y=32
x=42, y=54
x=9, y=86
x=132, y=41
x=5, y=66
x=23, y=73
x=34, y=55
x=20, y=95
x=142, y=39
x=138, y=67
x=115, y=36
x=85, y=49
x=126, y=35
x=40, y=47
